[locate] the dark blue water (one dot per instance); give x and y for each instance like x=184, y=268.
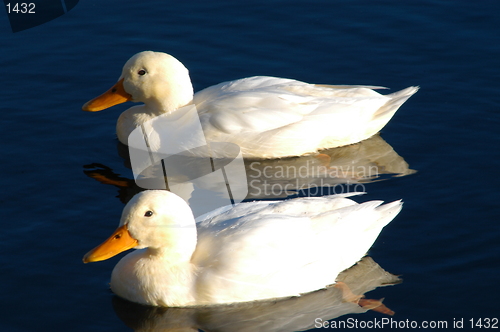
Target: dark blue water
x=446, y=241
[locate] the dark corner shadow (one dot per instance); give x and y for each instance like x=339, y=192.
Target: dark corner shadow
x=29, y=14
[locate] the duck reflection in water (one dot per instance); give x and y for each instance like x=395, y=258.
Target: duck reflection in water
x=289, y=314
x=333, y=171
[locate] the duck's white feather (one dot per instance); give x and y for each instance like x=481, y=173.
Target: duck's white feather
x=273, y=117
x=267, y=117
x=253, y=251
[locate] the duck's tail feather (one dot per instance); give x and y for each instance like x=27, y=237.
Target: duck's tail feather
x=392, y=105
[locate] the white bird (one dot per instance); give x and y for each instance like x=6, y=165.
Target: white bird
x=267, y=117
x=253, y=251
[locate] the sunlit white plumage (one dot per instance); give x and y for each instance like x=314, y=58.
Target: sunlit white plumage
x=254, y=251
x=267, y=117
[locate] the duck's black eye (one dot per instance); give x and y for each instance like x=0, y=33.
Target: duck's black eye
x=148, y=214
x=141, y=72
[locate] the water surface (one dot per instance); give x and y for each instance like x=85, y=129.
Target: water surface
x=445, y=243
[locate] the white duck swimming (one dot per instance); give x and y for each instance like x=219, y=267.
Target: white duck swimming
x=254, y=251
x=267, y=117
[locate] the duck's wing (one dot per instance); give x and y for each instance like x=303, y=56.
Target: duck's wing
x=284, y=248
x=272, y=115
x=263, y=103
x=255, y=104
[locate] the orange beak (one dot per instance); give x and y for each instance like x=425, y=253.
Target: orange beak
x=114, y=96
x=120, y=241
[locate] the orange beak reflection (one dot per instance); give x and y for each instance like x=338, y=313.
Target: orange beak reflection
x=114, y=96
x=118, y=242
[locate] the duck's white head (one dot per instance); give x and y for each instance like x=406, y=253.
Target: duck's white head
x=155, y=219
x=157, y=79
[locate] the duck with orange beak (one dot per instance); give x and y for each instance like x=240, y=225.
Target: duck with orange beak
x=268, y=117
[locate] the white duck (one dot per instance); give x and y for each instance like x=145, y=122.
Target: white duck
x=267, y=117
x=254, y=251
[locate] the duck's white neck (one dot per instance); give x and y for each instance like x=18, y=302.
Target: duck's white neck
x=171, y=256
x=171, y=99
x=154, y=105
x=149, y=279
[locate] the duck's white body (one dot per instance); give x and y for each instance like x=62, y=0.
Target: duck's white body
x=254, y=251
x=267, y=117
